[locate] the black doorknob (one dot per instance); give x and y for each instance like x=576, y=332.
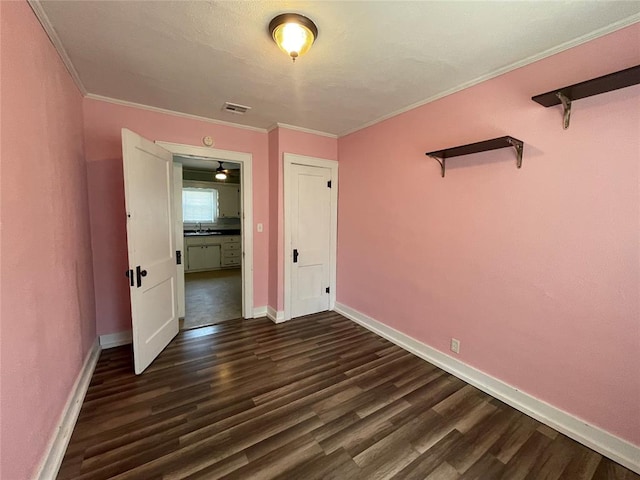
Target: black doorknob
x=139, y=274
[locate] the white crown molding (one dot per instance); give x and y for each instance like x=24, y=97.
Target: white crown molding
x=521, y=63
x=593, y=437
x=301, y=129
x=141, y=106
x=112, y=340
x=57, y=446
x=42, y=17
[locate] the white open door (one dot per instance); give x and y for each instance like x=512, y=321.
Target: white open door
x=179, y=234
x=148, y=188
x=310, y=239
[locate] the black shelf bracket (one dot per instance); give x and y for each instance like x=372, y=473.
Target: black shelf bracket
x=443, y=163
x=607, y=83
x=501, y=142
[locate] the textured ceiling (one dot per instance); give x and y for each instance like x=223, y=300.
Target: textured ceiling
x=371, y=59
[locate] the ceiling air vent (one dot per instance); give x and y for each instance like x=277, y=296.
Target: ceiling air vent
x=235, y=108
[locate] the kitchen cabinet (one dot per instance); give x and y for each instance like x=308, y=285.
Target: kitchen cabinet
x=203, y=257
x=212, y=252
x=228, y=201
x=203, y=253
x=231, y=251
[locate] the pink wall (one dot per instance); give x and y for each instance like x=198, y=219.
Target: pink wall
x=536, y=270
x=103, y=124
x=48, y=309
x=284, y=140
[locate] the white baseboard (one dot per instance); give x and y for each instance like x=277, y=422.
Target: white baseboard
x=259, y=311
x=59, y=441
x=599, y=440
x=116, y=339
x=274, y=315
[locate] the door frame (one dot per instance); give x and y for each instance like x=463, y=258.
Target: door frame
x=290, y=159
x=246, y=185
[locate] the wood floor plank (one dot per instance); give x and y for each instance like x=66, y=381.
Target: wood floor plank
x=430, y=459
x=554, y=459
x=516, y=435
x=487, y=467
x=322, y=467
x=405, y=435
x=444, y=472
x=582, y=465
x=526, y=457
x=354, y=434
x=314, y=398
x=387, y=463
x=480, y=439
x=280, y=460
x=218, y=469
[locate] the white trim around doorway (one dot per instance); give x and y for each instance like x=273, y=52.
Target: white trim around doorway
x=289, y=160
x=246, y=172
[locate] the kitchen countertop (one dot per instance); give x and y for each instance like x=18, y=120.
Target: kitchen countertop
x=208, y=233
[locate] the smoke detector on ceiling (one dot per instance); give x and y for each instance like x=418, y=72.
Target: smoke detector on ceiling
x=235, y=108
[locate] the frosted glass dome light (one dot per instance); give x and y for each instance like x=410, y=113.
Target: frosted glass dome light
x=293, y=33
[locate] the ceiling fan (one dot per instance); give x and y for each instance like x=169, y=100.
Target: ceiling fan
x=221, y=173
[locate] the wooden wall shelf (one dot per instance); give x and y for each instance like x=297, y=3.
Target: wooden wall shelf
x=595, y=86
x=501, y=142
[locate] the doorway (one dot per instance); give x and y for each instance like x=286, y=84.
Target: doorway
x=217, y=253
x=211, y=227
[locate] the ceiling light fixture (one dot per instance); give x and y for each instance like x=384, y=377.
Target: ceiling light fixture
x=293, y=33
x=220, y=172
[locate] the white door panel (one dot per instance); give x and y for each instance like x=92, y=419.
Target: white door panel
x=148, y=181
x=311, y=238
x=157, y=297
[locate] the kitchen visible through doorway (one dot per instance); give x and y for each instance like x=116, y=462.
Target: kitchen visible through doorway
x=212, y=251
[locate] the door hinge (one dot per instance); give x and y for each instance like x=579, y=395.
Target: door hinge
x=178, y=257
x=329, y=184
x=327, y=290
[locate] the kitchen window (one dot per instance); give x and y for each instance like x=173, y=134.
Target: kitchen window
x=199, y=205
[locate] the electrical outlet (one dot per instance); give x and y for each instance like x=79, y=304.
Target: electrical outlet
x=455, y=345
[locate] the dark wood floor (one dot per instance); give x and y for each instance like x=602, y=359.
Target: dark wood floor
x=317, y=397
